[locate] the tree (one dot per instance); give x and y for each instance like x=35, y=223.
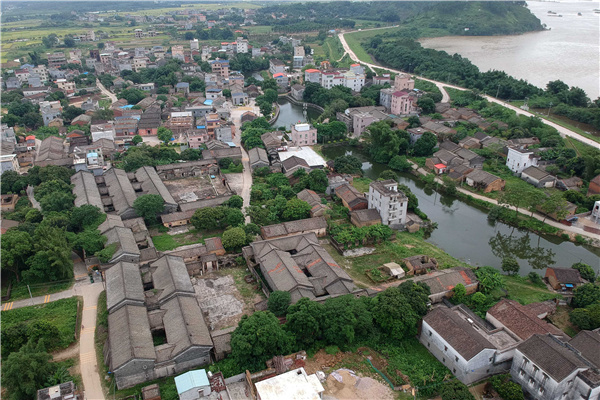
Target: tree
x=586, y=318
x=459, y=293
x=585, y=295
x=149, y=206
x=235, y=201
x=296, y=209
x=304, y=321
x=52, y=260
x=347, y=165
x=137, y=139
x=32, y=120
x=346, y=320
x=510, y=265
x=425, y=144
x=489, y=279
x=132, y=95
x=586, y=271
x=16, y=248
x=25, y=371
x=427, y=105
x=257, y=338
x=164, y=134
x=507, y=389
x=317, y=180
x=555, y=205
x=400, y=163
x=234, y=238
x=50, y=40
x=69, y=41
x=71, y=112
x=455, y=390
x=84, y=217
x=58, y=202
x=90, y=240
x=394, y=314
x=279, y=302
x=388, y=174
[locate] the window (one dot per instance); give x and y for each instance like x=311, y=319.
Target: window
x=456, y=358
x=430, y=333
x=445, y=348
x=525, y=362
x=428, y=344
x=454, y=370
x=443, y=360
x=541, y=390
x=570, y=382
x=521, y=372
x=531, y=381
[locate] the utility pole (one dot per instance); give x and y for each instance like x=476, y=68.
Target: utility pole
x=549, y=109
x=498, y=91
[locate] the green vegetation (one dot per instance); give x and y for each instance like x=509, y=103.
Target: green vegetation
x=53, y=322
x=19, y=291
x=166, y=242
x=362, y=184
x=521, y=289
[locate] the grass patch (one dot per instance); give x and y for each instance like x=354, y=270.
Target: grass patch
x=354, y=42
x=561, y=319
x=412, y=359
x=405, y=245
x=259, y=29
x=361, y=184
x=334, y=48
x=100, y=338
x=19, y=291
x=167, y=242
x=247, y=290
x=522, y=290
x=61, y=313
x=234, y=169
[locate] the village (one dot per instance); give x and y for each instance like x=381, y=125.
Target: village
x=215, y=254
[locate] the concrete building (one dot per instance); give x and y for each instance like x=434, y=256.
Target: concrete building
x=63, y=391
x=297, y=92
x=291, y=385
x=548, y=368
x=193, y=385
x=276, y=66
x=519, y=159
x=303, y=135
x=403, y=82
x=401, y=103
x=391, y=204
x=465, y=344
x=221, y=68
x=538, y=177
x=9, y=162
x=241, y=45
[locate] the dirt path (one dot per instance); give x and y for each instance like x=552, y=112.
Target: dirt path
x=445, y=98
x=65, y=354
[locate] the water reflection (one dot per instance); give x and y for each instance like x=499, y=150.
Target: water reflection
x=521, y=248
x=465, y=232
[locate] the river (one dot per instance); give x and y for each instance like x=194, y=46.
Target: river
x=465, y=232
x=290, y=114
x=569, y=51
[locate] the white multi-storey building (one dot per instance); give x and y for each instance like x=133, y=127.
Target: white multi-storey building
x=241, y=45
x=519, y=159
x=391, y=204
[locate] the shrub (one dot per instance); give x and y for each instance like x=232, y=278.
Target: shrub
x=279, y=302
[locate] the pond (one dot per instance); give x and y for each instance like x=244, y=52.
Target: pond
x=290, y=114
x=465, y=232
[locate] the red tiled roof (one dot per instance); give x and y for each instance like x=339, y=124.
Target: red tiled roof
x=312, y=70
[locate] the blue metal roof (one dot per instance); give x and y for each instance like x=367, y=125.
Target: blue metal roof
x=208, y=102
x=230, y=144
x=191, y=380
x=127, y=106
x=92, y=155
x=200, y=127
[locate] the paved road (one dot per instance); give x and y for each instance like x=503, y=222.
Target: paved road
x=34, y=202
x=88, y=364
x=105, y=91
x=445, y=98
x=236, y=114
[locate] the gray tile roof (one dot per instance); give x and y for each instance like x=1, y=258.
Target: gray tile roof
x=294, y=161
x=457, y=332
x=110, y=222
x=520, y=320
x=120, y=190
x=588, y=344
x=129, y=336
x=170, y=277
x=184, y=324
x=537, y=173
x=51, y=148
x=309, y=272
x=123, y=285
x=566, y=275
x=258, y=155
x=366, y=215
x=551, y=356
x=310, y=197
x=125, y=241
x=293, y=227
x=151, y=184
x=481, y=176
x=85, y=190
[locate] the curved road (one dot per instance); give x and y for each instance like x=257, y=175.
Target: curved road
x=445, y=98
x=105, y=91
